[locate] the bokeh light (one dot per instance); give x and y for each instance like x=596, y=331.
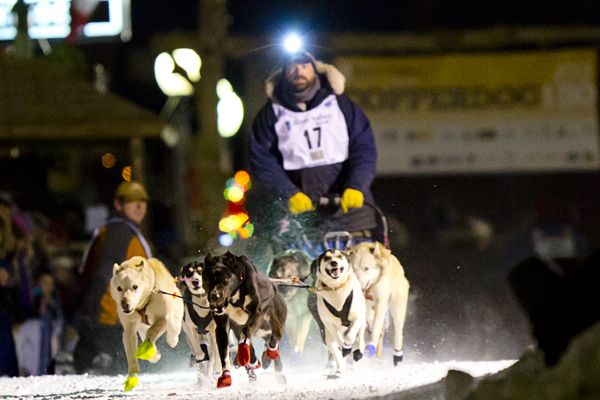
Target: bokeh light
x=127, y=173
x=235, y=194
x=108, y=160
x=225, y=240
x=243, y=178
x=230, y=110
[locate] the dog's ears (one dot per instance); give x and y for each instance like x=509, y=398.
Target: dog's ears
x=314, y=266
x=139, y=266
x=208, y=259
x=377, y=251
x=229, y=257
x=116, y=268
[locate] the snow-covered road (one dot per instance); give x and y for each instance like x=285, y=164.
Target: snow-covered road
x=369, y=378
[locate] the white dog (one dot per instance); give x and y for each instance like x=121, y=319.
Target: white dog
x=142, y=309
x=341, y=306
x=382, y=279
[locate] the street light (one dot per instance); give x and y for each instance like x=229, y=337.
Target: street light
x=173, y=83
x=230, y=110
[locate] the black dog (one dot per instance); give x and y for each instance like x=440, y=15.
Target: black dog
x=240, y=294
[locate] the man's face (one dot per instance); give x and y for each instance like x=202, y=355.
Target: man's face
x=301, y=76
x=134, y=210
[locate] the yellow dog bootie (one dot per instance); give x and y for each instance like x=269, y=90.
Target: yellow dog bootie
x=146, y=351
x=131, y=382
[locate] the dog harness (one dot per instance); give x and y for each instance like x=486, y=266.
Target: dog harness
x=142, y=311
x=200, y=322
x=344, y=313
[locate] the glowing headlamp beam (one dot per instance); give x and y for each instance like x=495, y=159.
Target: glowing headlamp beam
x=292, y=43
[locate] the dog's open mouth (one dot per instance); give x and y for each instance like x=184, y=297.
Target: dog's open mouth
x=218, y=309
x=335, y=272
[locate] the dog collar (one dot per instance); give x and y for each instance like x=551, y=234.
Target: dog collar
x=142, y=313
x=329, y=289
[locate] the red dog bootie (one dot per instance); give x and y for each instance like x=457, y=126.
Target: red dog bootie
x=224, y=380
x=272, y=353
x=255, y=364
x=243, y=355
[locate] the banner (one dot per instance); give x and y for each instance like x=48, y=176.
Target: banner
x=513, y=112
x=55, y=19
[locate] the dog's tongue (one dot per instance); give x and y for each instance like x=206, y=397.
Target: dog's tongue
x=335, y=272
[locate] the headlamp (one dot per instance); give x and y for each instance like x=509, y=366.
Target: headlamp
x=292, y=43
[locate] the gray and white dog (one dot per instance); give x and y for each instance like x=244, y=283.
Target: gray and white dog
x=289, y=264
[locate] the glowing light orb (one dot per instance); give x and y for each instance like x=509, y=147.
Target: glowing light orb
x=126, y=173
x=242, y=177
x=243, y=217
x=230, y=109
x=235, y=194
x=108, y=160
x=292, y=43
x=225, y=240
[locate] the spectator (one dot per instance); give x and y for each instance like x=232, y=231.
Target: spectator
x=101, y=334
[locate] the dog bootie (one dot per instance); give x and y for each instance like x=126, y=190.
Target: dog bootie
x=337, y=375
x=224, y=380
x=255, y=364
x=398, y=356
x=272, y=353
x=146, y=350
x=357, y=355
x=266, y=361
x=371, y=349
x=346, y=349
x=243, y=356
x=131, y=382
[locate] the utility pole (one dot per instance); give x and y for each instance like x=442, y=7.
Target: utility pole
x=209, y=150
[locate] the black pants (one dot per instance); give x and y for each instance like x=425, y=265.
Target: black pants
x=95, y=339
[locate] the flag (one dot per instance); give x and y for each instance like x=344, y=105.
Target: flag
x=81, y=12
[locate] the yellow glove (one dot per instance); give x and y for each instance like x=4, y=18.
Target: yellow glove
x=131, y=382
x=300, y=203
x=146, y=351
x=352, y=198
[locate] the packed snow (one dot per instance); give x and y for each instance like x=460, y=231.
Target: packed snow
x=366, y=379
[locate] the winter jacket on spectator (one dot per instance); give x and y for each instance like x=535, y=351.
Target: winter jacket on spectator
x=114, y=243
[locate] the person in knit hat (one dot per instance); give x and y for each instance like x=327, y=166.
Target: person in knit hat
x=310, y=140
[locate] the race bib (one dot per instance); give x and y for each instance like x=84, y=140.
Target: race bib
x=312, y=138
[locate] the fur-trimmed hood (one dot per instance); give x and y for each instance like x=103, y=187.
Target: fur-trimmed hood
x=335, y=78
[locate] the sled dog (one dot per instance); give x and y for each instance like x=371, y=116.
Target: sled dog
x=241, y=294
x=198, y=324
x=289, y=264
x=142, y=309
x=382, y=280
x=341, y=307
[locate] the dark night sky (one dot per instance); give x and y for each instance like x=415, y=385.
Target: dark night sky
x=269, y=16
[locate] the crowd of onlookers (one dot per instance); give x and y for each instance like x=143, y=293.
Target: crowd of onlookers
x=35, y=267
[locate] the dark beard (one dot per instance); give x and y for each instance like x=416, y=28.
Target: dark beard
x=304, y=85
